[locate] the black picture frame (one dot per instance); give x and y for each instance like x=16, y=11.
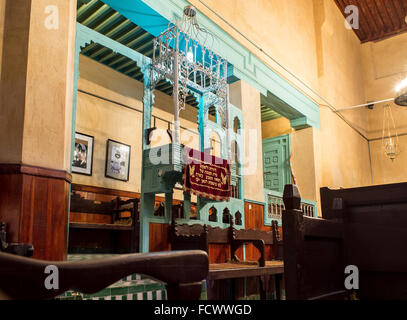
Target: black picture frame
x=87, y=142
x=114, y=168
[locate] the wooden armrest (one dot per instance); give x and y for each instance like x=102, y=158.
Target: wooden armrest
x=24, y=278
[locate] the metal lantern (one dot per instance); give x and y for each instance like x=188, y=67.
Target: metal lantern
x=390, y=138
x=182, y=55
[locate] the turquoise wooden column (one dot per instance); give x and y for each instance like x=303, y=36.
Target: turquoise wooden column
x=85, y=36
x=74, y=104
x=147, y=199
x=201, y=122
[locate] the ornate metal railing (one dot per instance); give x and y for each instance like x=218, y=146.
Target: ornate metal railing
x=236, y=190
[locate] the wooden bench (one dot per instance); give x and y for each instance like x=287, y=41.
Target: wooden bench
x=21, y=249
x=363, y=227
x=23, y=278
x=196, y=236
x=120, y=216
x=270, y=278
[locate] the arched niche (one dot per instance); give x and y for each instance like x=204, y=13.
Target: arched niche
x=213, y=215
x=215, y=143
x=212, y=114
x=226, y=216
x=234, y=147
x=238, y=218
x=236, y=125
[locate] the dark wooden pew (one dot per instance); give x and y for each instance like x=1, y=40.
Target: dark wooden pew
x=270, y=273
x=196, y=236
x=375, y=234
x=363, y=227
x=121, y=216
x=24, y=278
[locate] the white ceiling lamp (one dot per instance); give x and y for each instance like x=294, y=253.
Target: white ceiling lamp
x=401, y=89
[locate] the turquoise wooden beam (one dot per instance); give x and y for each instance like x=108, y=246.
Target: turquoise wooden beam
x=300, y=117
x=86, y=36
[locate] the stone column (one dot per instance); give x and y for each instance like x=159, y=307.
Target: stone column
x=36, y=122
x=247, y=98
x=304, y=161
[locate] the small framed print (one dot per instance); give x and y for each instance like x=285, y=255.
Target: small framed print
x=83, y=154
x=117, y=160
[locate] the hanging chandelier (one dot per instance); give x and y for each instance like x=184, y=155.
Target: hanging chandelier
x=390, y=139
x=183, y=55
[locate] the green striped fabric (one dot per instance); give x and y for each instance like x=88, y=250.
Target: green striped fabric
x=132, y=287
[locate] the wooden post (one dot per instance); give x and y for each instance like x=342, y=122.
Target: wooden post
x=168, y=205
x=338, y=212
x=293, y=240
x=187, y=205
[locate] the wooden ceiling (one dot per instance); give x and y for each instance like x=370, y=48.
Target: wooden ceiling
x=378, y=19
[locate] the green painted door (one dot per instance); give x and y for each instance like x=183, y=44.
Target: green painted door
x=276, y=166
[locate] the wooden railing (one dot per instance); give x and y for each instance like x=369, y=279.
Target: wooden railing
x=275, y=206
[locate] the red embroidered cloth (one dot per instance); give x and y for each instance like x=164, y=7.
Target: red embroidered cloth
x=206, y=176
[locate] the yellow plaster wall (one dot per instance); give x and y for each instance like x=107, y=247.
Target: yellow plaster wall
x=385, y=170
x=342, y=157
x=13, y=78
x=48, y=111
x=275, y=128
x=303, y=164
x=106, y=120
x=384, y=65
x=309, y=38
x=247, y=99
x=2, y=21
x=282, y=29
x=328, y=58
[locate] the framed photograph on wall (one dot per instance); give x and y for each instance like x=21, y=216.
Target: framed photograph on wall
x=83, y=154
x=117, y=160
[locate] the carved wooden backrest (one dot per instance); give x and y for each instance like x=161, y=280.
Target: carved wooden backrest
x=218, y=235
x=189, y=230
x=251, y=234
x=188, y=237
